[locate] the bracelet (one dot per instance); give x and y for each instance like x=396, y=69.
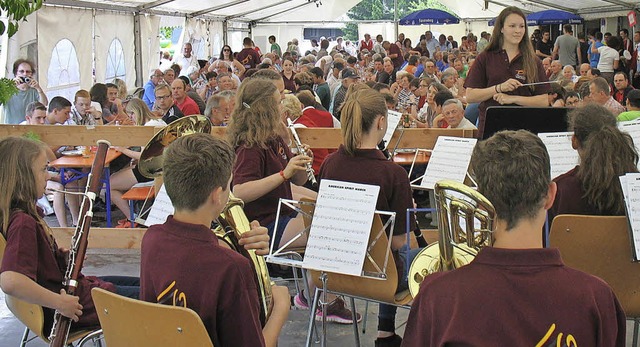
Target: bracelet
x=496, y=88
x=283, y=177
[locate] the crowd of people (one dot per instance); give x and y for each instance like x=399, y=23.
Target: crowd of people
x=437, y=83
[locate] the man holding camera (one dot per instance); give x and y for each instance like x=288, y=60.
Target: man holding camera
x=29, y=90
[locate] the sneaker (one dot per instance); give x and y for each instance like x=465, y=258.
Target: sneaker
x=300, y=301
x=391, y=341
x=127, y=224
x=337, y=312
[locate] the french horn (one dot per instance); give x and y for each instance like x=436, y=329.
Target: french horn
x=458, y=207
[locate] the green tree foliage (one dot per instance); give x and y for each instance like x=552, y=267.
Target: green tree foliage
x=383, y=10
x=17, y=11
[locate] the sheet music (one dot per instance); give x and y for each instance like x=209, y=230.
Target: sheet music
x=161, y=209
x=393, y=119
x=631, y=189
x=563, y=156
x=340, y=228
x=633, y=128
x=449, y=160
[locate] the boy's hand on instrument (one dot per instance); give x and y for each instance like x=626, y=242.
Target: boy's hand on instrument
x=69, y=306
x=281, y=297
x=257, y=239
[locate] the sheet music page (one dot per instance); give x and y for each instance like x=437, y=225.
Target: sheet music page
x=393, y=119
x=161, y=209
x=563, y=156
x=633, y=128
x=340, y=228
x=449, y=160
x=632, y=199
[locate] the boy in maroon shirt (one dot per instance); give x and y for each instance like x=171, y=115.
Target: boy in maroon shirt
x=182, y=261
x=515, y=293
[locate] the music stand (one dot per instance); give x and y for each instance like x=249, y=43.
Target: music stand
x=534, y=119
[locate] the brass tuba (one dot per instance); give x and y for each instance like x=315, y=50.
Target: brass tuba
x=457, y=245
x=232, y=222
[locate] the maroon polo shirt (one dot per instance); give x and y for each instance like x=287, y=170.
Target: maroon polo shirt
x=370, y=166
x=182, y=264
x=255, y=163
x=570, y=197
x=248, y=57
x=493, y=67
x=397, y=61
x=30, y=252
x=509, y=297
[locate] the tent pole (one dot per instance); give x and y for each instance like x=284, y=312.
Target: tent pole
x=225, y=32
x=395, y=20
x=137, y=44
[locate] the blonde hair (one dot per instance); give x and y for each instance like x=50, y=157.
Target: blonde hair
x=291, y=107
x=358, y=114
x=256, y=116
x=140, y=111
x=17, y=156
x=122, y=88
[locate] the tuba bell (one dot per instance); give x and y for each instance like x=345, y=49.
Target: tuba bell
x=232, y=222
x=458, y=207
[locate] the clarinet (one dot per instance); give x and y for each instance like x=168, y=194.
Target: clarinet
x=62, y=324
x=310, y=174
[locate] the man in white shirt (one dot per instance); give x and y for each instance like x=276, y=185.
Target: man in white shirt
x=453, y=113
x=186, y=59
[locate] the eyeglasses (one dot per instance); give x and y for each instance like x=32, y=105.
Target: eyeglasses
x=162, y=97
x=226, y=50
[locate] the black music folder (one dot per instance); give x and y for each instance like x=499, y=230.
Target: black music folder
x=535, y=119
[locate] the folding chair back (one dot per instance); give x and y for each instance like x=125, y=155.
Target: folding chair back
x=581, y=238
x=129, y=322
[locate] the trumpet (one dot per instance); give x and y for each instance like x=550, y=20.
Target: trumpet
x=310, y=174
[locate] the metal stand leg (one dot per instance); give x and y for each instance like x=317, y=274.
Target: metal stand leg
x=312, y=318
x=355, y=322
x=636, y=325
x=364, y=319
x=25, y=337
x=323, y=340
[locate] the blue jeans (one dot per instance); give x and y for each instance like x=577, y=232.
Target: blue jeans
x=125, y=285
x=387, y=313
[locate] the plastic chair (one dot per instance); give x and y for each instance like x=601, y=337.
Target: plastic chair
x=580, y=237
x=32, y=316
x=130, y=322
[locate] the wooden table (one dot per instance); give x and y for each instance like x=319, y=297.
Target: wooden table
x=75, y=164
x=406, y=158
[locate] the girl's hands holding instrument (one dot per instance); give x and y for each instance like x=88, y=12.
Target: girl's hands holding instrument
x=295, y=165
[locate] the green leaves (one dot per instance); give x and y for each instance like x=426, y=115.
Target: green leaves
x=17, y=11
x=7, y=90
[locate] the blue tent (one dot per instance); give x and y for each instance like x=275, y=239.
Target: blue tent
x=429, y=16
x=550, y=17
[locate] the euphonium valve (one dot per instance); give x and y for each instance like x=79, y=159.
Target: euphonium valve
x=459, y=209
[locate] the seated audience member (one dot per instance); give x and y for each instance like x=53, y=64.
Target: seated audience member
x=600, y=93
x=425, y=117
x=633, y=107
x=29, y=90
x=621, y=87
x=155, y=77
x=58, y=112
x=99, y=94
x=605, y=153
x=321, y=87
x=349, y=77
x=584, y=69
x=556, y=95
x=556, y=70
x=581, y=307
x=165, y=107
x=388, y=75
x=572, y=99
x=193, y=94
x=225, y=82
x=186, y=105
x=439, y=100
x=169, y=76
x=402, y=90
x=594, y=73
x=197, y=176
x=36, y=114
x=546, y=65
x=141, y=115
x=568, y=78
x=322, y=118
x=288, y=74
x=210, y=87
x=84, y=111
x=453, y=114
x=219, y=108
x=116, y=106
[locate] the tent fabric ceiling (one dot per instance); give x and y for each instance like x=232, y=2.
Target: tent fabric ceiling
x=237, y=10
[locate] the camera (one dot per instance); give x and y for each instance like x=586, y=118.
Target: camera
x=25, y=79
